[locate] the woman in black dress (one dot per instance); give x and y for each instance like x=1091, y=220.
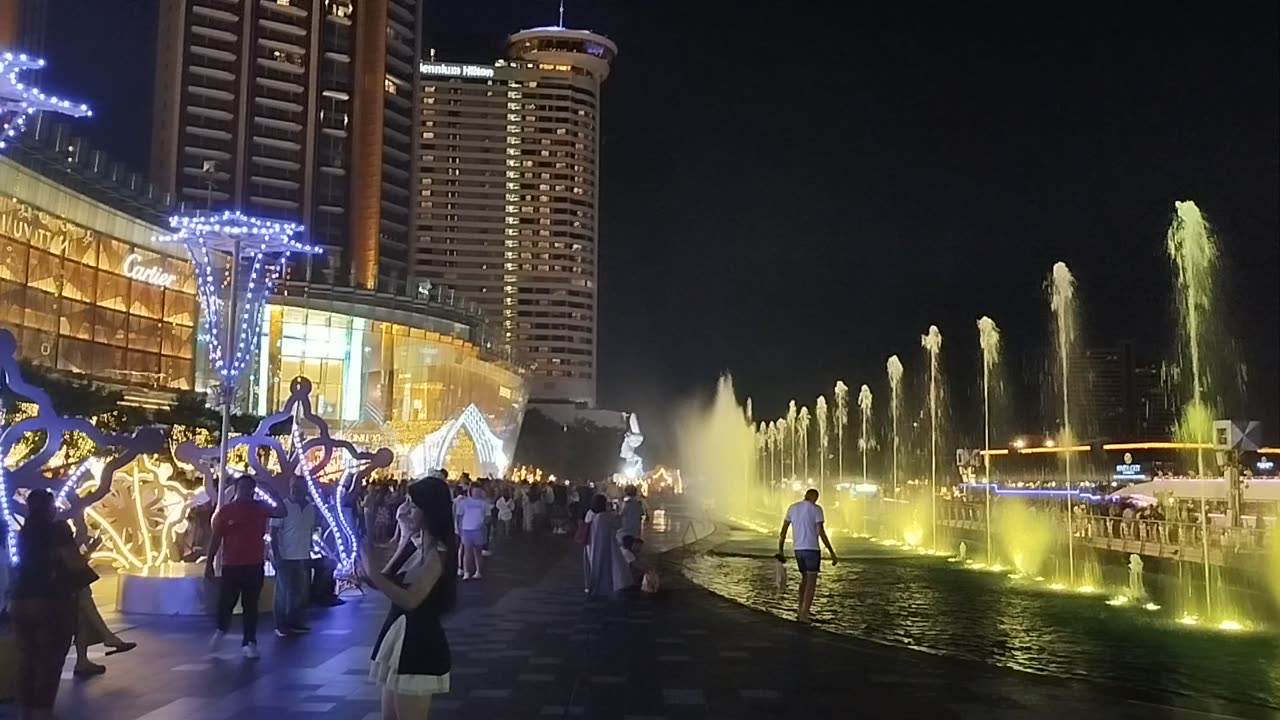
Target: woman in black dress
x=411, y=656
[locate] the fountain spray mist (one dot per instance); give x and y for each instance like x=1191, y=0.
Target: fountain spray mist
x=932, y=343
x=715, y=451
x=1062, y=301
x=989, y=343
x=894, y=369
x=1192, y=251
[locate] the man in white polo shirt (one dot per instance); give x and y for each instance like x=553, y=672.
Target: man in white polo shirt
x=806, y=517
x=291, y=556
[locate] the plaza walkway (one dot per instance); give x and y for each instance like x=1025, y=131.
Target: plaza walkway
x=526, y=645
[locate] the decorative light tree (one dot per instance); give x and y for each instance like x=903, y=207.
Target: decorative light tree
x=18, y=100
x=240, y=256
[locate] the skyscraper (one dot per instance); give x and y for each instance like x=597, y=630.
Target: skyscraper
x=508, y=196
x=22, y=27
x=297, y=109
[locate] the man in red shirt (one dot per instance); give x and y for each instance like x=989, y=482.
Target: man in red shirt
x=239, y=529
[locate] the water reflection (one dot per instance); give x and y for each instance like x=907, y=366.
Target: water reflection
x=923, y=603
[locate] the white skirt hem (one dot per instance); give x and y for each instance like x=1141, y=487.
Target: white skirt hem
x=384, y=669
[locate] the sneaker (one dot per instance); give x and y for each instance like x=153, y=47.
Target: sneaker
x=476, y=576
x=299, y=629
x=250, y=651
x=282, y=633
x=466, y=576
x=87, y=669
x=216, y=641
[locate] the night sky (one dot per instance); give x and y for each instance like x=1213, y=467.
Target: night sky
x=792, y=191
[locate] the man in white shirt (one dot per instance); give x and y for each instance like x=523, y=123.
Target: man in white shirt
x=291, y=556
x=806, y=517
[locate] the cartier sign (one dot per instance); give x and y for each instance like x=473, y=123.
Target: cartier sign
x=136, y=269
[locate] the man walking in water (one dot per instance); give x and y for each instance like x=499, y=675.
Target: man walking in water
x=806, y=517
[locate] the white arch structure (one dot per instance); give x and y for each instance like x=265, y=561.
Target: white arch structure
x=430, y=453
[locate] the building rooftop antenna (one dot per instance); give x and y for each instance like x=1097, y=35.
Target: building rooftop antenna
x=561, y=13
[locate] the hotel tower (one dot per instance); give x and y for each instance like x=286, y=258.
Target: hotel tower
x=508, y=190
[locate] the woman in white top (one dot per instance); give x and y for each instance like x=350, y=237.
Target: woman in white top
x=506, y=511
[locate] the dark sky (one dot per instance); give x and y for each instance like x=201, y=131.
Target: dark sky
x=792, y=191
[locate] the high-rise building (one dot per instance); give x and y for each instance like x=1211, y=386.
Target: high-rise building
x=22, y=27
x=508, y=191
x=1102, y=382
x=295, y=109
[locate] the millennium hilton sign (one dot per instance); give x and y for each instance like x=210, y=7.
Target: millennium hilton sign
x=451, y=70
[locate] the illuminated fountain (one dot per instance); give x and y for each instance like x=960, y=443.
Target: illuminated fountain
x=715, y=443
x=802, y=433
x=792, y=421
x=932, y=343
x=865, y=443
x=820, y=416
x=989, y=343
x=1025, y=536
x=1062, y=301
x=1192, y=251
x=841, y=420
x=894, y=368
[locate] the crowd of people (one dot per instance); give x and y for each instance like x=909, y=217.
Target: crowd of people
x=417, y=541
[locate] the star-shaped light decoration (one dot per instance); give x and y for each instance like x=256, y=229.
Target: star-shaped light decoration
x=18, y=100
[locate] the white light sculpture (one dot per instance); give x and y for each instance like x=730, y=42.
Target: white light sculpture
x=305, y=457
x=255, y=248
x=632, y=463
x=47, y=432
x=431, y=453
x=18, y=100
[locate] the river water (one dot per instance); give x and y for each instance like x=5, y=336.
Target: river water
x=925, y=603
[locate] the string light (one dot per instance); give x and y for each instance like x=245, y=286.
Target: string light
x=316, y=497
x=9, y=520
x=73, y=482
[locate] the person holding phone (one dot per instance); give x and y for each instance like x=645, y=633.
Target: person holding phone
x=411, y=660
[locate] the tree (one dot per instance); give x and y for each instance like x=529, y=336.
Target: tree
x=582, y=450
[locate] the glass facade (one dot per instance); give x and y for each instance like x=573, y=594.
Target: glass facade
x=382, y=382
x=81, y=297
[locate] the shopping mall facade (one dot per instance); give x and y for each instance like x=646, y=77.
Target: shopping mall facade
x=86, y=289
